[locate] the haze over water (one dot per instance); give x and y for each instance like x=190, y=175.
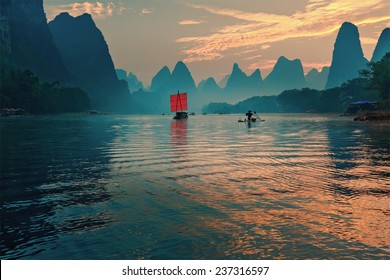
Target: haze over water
x=147, y=187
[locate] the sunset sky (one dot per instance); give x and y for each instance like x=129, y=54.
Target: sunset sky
x=211, y=35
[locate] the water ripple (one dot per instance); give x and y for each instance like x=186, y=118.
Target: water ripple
x=148, y=187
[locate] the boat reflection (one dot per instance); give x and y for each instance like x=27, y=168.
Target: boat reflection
x=178, y=132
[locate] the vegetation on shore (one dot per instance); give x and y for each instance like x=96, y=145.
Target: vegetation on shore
x=374, y=84
x=378, y=75
x=23, y=90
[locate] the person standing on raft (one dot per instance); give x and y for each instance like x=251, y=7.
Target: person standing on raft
x=249, y=115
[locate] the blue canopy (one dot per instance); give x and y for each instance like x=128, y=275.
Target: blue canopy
x=364, y=102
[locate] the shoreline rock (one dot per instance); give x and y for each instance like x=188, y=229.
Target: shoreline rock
x=374, y=116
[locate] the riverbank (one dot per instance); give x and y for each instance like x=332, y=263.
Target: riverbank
x=374, y=116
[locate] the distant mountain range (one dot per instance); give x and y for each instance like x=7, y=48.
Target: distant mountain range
x=132, y=81
x=287, y=74
x=317, y=80
x=73, y=51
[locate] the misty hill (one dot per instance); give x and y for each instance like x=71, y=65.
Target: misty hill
x=209, y=91
x=240, y=86
x=181, y=79
x=286, y=74
x=255, y=79
x=238, y=80
x=210, y=86
x=347, y=58
x=132, y=81
x=201, y=84
x=222, y=83
x=317, y=80
x=121, y=74
x=27, y=42
x=86, y=56
x=160, y=80
x=383, y=45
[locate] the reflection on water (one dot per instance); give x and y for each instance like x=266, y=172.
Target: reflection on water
x=148, y=187
x=179, y=132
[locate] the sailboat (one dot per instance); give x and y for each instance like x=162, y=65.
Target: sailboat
x=179, y=105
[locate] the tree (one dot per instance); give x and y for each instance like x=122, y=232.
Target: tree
x=378, y=74
x=23, y=90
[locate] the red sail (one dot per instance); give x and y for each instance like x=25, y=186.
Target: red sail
x=179, y=102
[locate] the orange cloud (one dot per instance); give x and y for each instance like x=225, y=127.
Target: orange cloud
x=146, y=11
x=96, y=9
x=190, y=22
x=253, y=57
x=319, y=18
x=264, y=47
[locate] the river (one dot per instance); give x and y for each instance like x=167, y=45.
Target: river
x=297, y=186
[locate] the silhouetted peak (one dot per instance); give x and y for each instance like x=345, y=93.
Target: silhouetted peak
x=256, y=74
x=282, y=59
x=180, y=67
x=63, y=18
x=285, y=62
x=347, y=58
x=325, y=69
x=313, y=71
x=181, y=78
x=237, y=71
x=348, y=24
x=383, y=45
x=286, y=74
x=63, y=15
x=82, y=20
x=348, y=27
x=161, y=79
x=348, y=35
x=85, y=16
x=257, y=71
x=121, y=74
x=164, y=70
x=180, y=64
x=211, y=81
x=239, y=80
x=132, y=76
x=209, y=85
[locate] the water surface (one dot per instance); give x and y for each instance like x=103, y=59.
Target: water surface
x=147, y=187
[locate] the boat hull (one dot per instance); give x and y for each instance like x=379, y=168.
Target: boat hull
x=180, y=116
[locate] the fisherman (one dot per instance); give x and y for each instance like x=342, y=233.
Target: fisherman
x=249, y=115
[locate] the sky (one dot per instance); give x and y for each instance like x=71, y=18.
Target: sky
x=211, y=35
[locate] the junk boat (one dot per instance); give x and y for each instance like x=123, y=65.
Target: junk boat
x=179, y=105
